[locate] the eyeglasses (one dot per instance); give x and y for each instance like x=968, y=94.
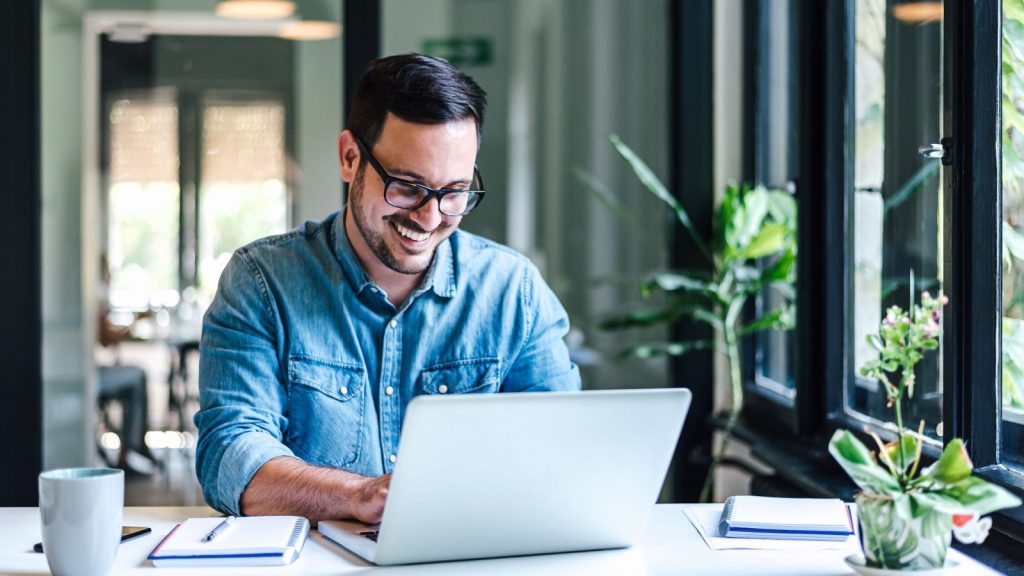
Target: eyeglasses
x=411, y=196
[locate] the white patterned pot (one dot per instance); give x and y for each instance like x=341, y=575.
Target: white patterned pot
x=917, y=540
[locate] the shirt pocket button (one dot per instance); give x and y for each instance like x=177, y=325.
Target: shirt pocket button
x=343, y=390
x=443, y=389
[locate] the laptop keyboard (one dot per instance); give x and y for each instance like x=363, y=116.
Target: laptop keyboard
x=371, y=534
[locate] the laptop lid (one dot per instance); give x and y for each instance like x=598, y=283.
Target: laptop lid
x=489, y=475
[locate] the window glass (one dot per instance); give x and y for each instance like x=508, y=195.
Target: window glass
x=1013, y=230
x=775, y=166
x=896, y=246
x=142, y=201
x=242, y=194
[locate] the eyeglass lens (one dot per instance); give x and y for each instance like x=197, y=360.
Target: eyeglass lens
x=403, y=195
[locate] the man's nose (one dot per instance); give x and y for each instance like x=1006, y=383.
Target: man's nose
x=429, y=215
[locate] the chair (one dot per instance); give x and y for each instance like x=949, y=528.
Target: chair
x=124, y=385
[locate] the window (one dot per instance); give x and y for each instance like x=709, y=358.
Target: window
x=243, y=195
x=197, y=163
x=896, y=220
x=902, y=139
x=771, y=160
x=142, y=201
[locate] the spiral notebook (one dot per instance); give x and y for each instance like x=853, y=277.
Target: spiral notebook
x=248, y=541
x=786, y=518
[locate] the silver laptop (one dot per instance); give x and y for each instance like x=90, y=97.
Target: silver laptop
x=489, y=475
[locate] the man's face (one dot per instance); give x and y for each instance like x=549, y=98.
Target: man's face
x=436, y=155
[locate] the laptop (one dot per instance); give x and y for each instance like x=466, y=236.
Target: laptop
x=489, y=475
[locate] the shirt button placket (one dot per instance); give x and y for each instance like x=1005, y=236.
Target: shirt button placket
x=389, y=403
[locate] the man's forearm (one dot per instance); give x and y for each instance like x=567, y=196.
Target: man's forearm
x=288, y=486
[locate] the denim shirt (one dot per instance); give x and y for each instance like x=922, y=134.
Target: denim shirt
x=302, y=354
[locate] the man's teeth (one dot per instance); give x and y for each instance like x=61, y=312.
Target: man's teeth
x=410, y=234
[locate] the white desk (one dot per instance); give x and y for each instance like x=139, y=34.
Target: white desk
x=672, y=546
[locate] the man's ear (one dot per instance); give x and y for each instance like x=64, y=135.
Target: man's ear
x=348, y=155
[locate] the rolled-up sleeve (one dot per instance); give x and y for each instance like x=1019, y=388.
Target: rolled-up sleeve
x=242, y=418
x=543, y=362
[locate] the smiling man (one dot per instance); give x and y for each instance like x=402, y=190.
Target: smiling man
x=318, y=339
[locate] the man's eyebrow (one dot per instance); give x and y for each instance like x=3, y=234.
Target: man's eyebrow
x=417, y=178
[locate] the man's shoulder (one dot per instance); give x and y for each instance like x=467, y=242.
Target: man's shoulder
x=478, y=252
x=308, y=240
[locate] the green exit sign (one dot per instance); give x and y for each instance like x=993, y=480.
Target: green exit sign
x=466, y=51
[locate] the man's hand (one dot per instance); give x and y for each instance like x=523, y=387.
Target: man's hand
x=369, y=497
x=289, y=486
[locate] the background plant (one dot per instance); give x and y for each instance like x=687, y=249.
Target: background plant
x=753, y=248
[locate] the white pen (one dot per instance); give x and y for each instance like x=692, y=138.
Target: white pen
x=218, y=529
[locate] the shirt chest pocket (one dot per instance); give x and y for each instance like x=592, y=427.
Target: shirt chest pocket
x=471, y=376
x=327, y=408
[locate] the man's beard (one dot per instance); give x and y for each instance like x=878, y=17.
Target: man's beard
x=375, y=240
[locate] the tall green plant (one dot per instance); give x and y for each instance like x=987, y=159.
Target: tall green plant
x=753, y=247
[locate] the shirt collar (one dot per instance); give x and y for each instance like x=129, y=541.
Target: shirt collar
x=440, y=276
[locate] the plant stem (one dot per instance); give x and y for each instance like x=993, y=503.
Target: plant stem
x=899, y=437
x=736, y=386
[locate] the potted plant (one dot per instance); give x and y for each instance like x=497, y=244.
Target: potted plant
x=907, y=513
x=753, y=248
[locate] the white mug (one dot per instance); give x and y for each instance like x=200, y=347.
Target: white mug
x=81, y=510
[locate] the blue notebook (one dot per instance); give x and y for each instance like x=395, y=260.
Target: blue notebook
x=826, y=519
x=248, y=541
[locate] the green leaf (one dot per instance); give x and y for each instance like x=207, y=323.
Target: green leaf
x=935, y=501
x=952, y=466
x=605, y=196
x=858, y=463
x=1013, y=10
x=775, y=319
x=1013, y=357
x=782, y=208
x=973, y=495
x=784, y=268
x=1013, y=241
x=768, y=240
x=639, y=319
x=755, y=209
x=676, y=282
x=724, y=218
x=655, y=187
x=668, y=348
x=892, y=451
x=1013, y=33
x=1011, y=117
x=786, y=289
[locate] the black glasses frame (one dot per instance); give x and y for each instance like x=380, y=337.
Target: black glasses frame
x=476, y=195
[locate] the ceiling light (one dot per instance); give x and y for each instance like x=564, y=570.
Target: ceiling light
x=255, y=9
x=310, y=30
x=918, y=12
x=318, y=21
x=129, y=33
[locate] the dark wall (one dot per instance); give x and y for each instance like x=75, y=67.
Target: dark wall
x=21, y=418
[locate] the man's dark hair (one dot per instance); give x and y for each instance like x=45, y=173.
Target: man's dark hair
x=415, y=88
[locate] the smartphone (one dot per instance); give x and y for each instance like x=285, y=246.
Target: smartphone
x=127, y=533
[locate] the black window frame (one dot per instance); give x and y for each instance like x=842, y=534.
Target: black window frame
x=972, y=349
x=971, y=250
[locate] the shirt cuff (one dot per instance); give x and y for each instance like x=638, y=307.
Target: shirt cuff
x=240, y=462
